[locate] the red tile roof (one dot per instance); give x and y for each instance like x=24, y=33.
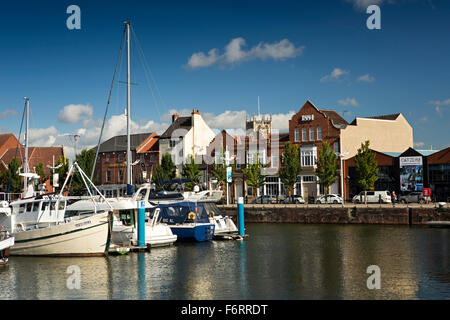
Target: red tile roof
x=36, y=155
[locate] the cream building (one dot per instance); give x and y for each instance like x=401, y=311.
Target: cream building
x=387, y=133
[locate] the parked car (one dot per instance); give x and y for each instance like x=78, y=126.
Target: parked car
x=329, y=198
x=412, y=197
x=293, y=199
x=373, y=197
x=264, y=199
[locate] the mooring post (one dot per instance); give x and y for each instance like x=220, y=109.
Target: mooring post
x=241, y=216
x=141, y=223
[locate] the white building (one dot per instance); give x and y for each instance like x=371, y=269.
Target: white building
x=186, y=137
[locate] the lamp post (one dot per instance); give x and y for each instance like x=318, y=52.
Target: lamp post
x=341, y=155
x=53, y=168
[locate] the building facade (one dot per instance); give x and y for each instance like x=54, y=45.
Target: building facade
x=111, y=166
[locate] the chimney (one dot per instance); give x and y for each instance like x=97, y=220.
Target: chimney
x=174, y=117
x=195, y=111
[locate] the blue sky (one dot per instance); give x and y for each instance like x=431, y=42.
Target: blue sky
x=290, y=51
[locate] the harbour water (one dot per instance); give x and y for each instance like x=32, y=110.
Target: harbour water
x=276, y=261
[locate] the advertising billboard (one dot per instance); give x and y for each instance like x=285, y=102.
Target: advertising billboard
x=411, y=174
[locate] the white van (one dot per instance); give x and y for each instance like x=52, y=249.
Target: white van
x=373, y=197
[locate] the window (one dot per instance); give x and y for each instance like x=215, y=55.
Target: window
x=309, y=178
x=308, y=156
x=250, y=158
x=319, y=133
x=152, y=157
x=29, y=206
x=304, y=134
x=311, y=134
x=120, y=157
x=107, y=158
x=108, y=176
x=336, y=146
x=172, y=143
x=274, y=162
x=120, y=176
x=297, y=134
x=142, y=158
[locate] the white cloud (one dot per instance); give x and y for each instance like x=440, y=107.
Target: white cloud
x=438, y=104
x=419, y=144
x=366, y=78
x=336, y=74
x=74, y=113
x=234, y=53
x=349, y=102
x=7, y=113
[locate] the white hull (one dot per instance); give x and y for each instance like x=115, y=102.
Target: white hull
x=6, y=243
x=156, y=236
x=223, y=225
x=85, y=236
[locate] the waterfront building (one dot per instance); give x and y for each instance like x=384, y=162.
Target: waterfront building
x=47, y=156
x=110, y=170
x=407, y=171
x=186, y=137
x=311, y=126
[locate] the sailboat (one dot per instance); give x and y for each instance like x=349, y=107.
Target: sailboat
x=125, y=209
x=42, y=226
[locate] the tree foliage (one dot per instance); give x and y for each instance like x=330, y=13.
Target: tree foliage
x=85, y=160
x=327, y=166
x=164, y=171
x=10, y=179
x=253, y=174
x=190, y=171
x=290, y=167
x=366, y=168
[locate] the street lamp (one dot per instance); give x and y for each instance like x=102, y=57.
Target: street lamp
x=53, y=168
x=342, y=155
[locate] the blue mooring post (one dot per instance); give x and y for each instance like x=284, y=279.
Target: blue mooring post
x=141, y=223
x=241, y=216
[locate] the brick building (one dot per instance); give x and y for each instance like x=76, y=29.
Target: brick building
x=111, y=167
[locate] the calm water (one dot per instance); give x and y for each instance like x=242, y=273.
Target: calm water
x=277, y=261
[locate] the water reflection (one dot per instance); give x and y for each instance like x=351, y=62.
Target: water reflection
x=276, y=262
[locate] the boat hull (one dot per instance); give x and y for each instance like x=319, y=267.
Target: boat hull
x=156, y=236
x=88, y=236
x=5, y=246
x=194, y=232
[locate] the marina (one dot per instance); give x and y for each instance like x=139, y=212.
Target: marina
x=276, y=261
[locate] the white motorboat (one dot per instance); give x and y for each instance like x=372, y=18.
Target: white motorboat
x=125, y=217
x=42, y=226
x=224, y=225
x=6, y=242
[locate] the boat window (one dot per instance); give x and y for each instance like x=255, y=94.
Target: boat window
x=141, y=195
x=52, y=205
x=127, y=217
x=29, y=206
x=22, y=208
x=45, y=206
x=61, y=205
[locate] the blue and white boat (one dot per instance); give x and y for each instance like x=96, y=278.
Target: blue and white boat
x=188, y=220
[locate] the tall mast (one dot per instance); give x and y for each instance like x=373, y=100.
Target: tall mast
x=25, y=166
x=259, y=108
x=127, y=26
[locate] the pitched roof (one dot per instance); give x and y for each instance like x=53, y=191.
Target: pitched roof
x=36, y=155
x=119, y=143
x=148, y=143
x=391, y=117
x=334, y=116
x=179, y=123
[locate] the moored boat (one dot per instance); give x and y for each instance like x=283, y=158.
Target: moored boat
x=6, y=242
x=188, y=220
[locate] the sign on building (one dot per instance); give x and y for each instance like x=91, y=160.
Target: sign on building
x=411, y=173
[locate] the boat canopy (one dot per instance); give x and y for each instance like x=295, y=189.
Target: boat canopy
x=183, y=212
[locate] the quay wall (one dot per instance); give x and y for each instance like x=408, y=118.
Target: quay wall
x=340, y=215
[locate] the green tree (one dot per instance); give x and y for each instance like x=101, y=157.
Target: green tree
x=85, y=160
x=327, y=166
x=290, y=167
x=190, y=171
x=366, y=168
x=219, y=171
x=10, y=178
x=164, y=171
x=40, y=172
x=254, y=176
x=62, y=171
